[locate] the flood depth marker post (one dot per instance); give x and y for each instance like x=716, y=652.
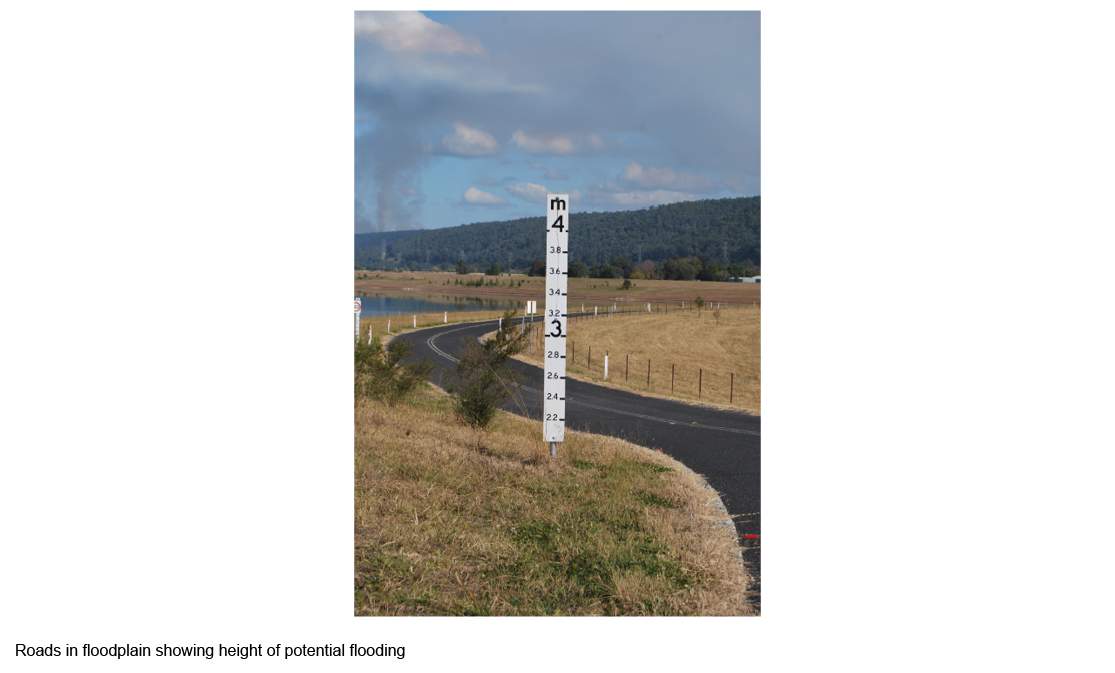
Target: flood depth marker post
x=557, y=290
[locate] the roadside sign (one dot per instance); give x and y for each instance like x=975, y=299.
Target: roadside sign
x=356, y=312
x=555, y=319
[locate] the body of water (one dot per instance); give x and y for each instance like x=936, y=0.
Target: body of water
x=375, y=305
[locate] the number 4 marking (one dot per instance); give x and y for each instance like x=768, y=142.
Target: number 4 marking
x=557, y=224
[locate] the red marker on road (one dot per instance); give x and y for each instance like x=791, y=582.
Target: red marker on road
x=750, y=537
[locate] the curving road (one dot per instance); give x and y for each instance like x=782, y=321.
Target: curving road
x=721, y=445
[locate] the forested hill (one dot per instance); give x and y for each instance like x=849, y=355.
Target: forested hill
x=658, y=233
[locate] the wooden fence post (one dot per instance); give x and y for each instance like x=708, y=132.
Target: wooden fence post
x=732, y=390
x=627, y=368
x=648, y=373
x=700, y=375
x=671, y=379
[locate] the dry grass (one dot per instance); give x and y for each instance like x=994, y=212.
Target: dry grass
x=451, y=521
x=702, y=350
x=591, y=291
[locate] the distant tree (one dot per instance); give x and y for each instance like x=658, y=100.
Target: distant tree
x=709, y=271
x=700, y=305
x=624, y=264
x=493, y=270
x=679, y=269
x=537, y=268
x=627, y=283
x=578, y=269
x=606, y=271
x=462, y=267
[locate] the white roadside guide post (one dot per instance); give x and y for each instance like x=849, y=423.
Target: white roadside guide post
x=532, y=308
x=557, y=289
x=356, y=306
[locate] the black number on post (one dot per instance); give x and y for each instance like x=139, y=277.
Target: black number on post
x=557, y=327
x=557, y=223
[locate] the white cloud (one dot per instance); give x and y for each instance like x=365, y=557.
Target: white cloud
x=555, y=174
x=528, y=191
x=635, y=175
x=469, y=142
x=413, y=33
x=635, y=199
x=544, y=144
x=477, y=197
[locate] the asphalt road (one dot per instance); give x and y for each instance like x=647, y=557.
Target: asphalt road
x=719, y=444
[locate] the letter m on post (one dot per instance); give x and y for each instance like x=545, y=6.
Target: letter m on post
x=559, y=204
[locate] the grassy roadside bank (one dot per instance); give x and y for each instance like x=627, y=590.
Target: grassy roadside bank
x=453, y=521
x=698, y=352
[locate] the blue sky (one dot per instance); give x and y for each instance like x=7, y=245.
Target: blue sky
x=474, y=116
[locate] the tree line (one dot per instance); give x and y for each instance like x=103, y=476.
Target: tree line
x=680, y=240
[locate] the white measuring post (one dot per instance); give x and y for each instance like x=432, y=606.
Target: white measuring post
x=388, y=326
x=557, y=290
x=447, y=317
x=356, y=307
x=415, y=320
x=605, y=366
